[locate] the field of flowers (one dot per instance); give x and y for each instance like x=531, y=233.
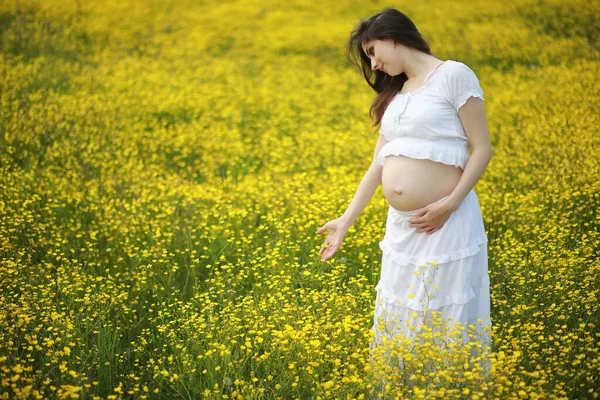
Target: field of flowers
x=164, y=166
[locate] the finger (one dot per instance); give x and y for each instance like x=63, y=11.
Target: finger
x=324, y=256
x=322, y=229
x=322, y=249
x=329, y=253
x=417, y=220
x=420, y=212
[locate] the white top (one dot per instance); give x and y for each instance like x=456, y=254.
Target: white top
x=425, y=124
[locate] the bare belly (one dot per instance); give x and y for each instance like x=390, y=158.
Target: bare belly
x=409, y=183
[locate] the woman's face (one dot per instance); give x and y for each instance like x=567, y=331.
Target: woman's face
x=385, y=56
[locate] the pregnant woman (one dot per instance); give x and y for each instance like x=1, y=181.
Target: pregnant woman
x=430, y=115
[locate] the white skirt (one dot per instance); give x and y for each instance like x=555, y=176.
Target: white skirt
x=444, y=274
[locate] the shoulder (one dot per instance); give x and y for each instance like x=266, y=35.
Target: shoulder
x=459, y=84
x=456, y=69
x=459, y=77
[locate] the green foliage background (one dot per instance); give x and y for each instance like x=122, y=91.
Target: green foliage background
x=165, y=164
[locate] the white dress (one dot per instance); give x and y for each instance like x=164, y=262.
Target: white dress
x=444, y=274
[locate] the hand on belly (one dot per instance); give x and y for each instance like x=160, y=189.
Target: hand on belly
x=409, y=183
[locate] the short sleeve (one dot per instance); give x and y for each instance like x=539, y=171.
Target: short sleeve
x=461, y=84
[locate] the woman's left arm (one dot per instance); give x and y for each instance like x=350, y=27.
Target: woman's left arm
x=472, y=116
x=432, y=217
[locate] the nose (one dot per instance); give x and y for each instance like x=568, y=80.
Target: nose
x=373, y=65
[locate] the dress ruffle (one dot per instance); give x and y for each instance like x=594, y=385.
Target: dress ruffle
x=420, y=304
x=443, y=151
x=446, y=271
x=396, y=316
x=405, y=259
x=461, y=236
x=419, y=286
x=462, y=99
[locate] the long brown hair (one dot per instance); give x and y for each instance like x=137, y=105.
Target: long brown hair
x=388, y=24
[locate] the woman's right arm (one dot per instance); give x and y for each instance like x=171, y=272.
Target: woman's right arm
x=369, y=183
x=338, y=227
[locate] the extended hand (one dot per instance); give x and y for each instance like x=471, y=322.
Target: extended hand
x=337, y=230
x=433, y=216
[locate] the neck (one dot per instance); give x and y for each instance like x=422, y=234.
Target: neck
x=418, y=65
